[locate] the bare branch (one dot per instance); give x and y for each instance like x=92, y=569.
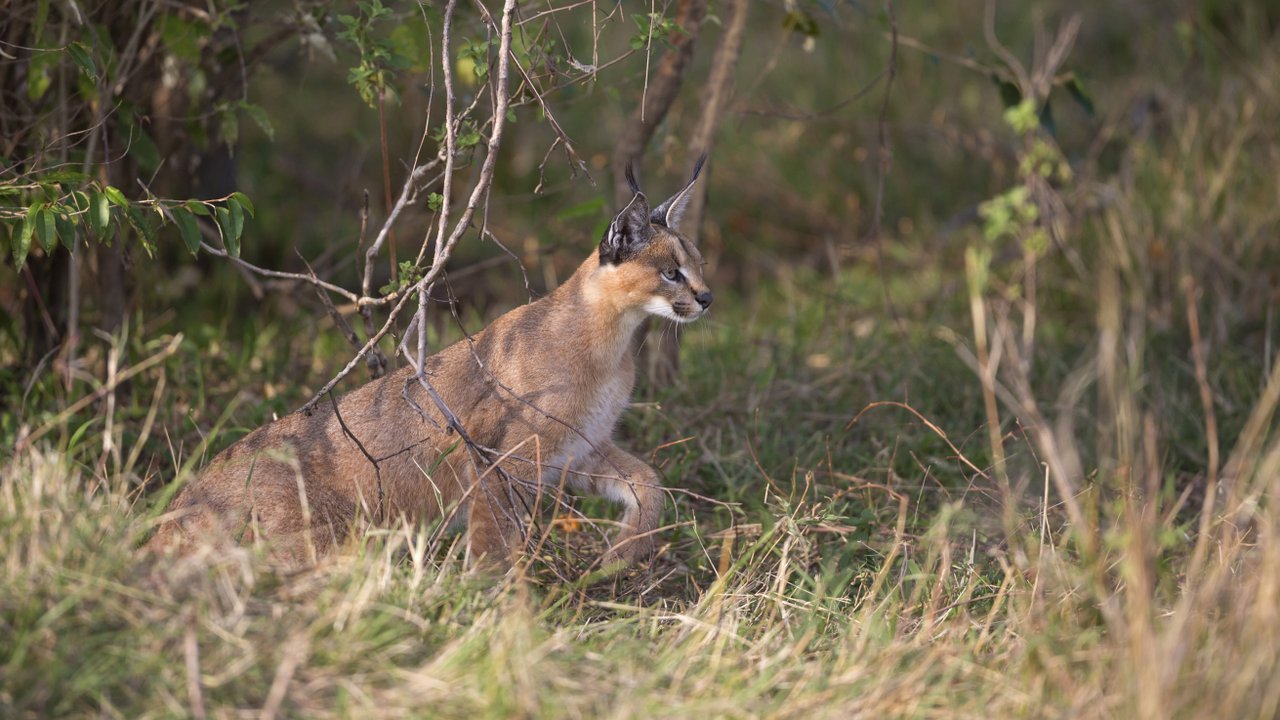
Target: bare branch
x=408, y=195
x=661, y=354
x=661, y=94
x=299, y=277
x=444, y=249
x=724, y=65
x=368, y=346
x=377, y=470
x=886, y=163
x=338, y=319
x=575, y=162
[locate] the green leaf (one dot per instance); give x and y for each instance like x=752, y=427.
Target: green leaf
x=799, y=21
x=66, y=230
x=186, y=223
x=468, y=137
x=197, y=207
x=39, y=67
x=37, y=25
x=80, y=201
x=183, y=37
x=1076, y=89
x=260, y=118
x=79, y=433
x=228, y=125
x=1023, y=117
x=40, y=73
x=351, y=25
x=237, y=216
x=46, y=231
x=375, y=10
x=225, y=226
x=143, y=226
x=65, y=176
x=435, y=201
x=244, y=201
x=115, y=196
x=22, y=245
x=80, y=54
x=100, y=214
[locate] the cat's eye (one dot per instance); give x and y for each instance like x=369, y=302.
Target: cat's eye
x=671, y=274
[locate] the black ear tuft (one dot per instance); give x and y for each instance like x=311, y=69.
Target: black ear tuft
x=697, y=167
x=630, y=173
x=629, y=230
x=671, y=210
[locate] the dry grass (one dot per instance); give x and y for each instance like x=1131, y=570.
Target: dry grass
x=1157, y=623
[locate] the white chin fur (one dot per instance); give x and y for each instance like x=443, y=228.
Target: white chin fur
x=660, y=307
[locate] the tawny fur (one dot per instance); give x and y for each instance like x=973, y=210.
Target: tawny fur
x=302, y=485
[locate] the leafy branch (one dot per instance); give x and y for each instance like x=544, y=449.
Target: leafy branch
x=48, y=214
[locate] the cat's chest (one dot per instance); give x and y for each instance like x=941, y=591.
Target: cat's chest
x=595, y=421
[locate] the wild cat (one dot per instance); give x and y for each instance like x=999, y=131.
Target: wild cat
x=539, y=391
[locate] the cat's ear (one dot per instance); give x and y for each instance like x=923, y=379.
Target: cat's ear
x=672, y=209
x=629, y=231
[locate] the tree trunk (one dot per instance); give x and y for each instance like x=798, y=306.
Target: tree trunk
x=660, y=93
x=64, y=128
x=661, y=350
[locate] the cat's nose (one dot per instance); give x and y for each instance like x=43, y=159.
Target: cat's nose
x=704, y=299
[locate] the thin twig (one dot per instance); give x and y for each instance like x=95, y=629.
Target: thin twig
x=927, y=422
x=338, y=320
x=311, y=279
x=408, y=194
x=351, y=364
x=885, y=164
x=575, y=162
x=377, y=471
x=1202, y=379
x=444, y=248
